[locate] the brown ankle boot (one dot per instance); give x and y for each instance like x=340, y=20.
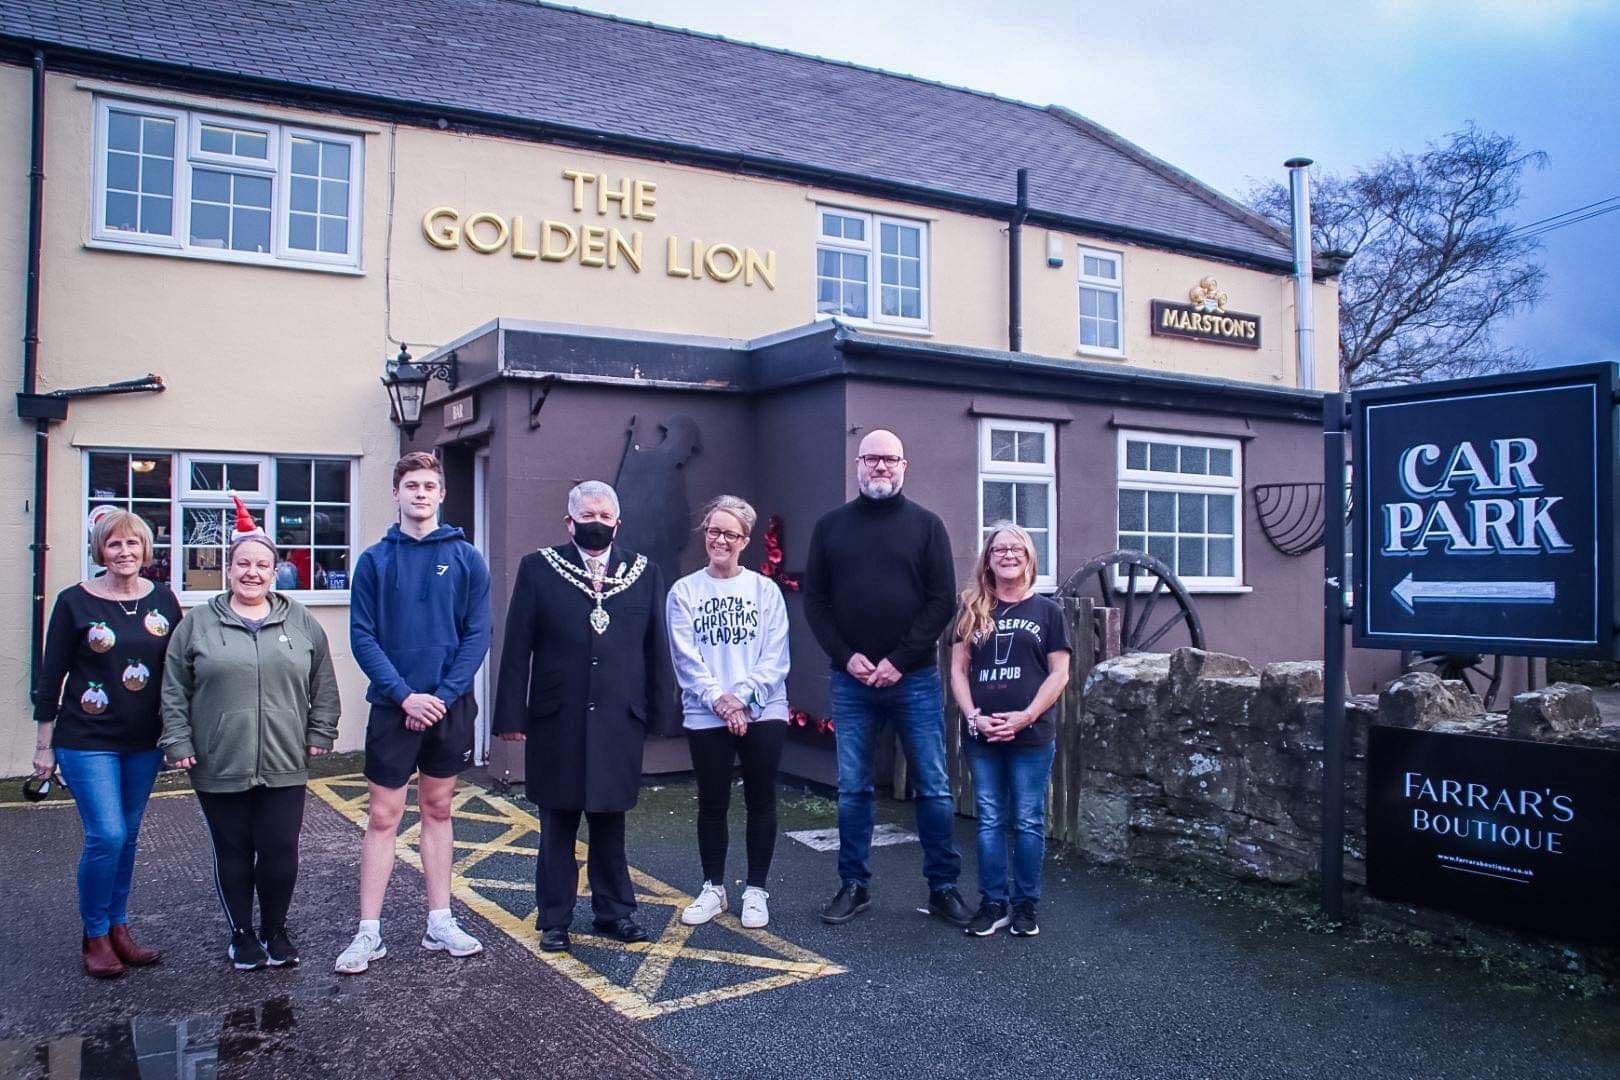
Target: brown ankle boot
x=100, y=960
x=130, y=953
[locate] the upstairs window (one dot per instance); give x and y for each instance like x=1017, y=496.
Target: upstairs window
x=872, y=268
x=1101, y=300
x=217, y=187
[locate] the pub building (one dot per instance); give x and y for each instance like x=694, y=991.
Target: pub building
x=612, y=250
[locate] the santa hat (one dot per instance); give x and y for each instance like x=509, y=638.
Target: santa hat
x=246, y=529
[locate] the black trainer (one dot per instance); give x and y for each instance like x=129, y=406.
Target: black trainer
x=279, y=948
x=1023, y=919
x=850, y=901
x=992, y=916
x=245, y=952
x=948, y=904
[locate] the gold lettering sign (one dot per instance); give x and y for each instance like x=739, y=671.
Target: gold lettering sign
x=598, y=246
x=1218, y=327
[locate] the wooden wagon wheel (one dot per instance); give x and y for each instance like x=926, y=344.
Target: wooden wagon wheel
x=1471, y=668
x=1138, y=630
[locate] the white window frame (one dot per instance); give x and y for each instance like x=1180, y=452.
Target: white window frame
x=1115, y=285
x=189, y=155
x=1147, y=480
x=262, y=503
x=1022, y=472
x=872, y=248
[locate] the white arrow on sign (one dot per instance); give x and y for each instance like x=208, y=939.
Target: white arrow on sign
x=1408, y=592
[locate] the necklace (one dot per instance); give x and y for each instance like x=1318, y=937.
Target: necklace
x=591, y=586
x=130, y=611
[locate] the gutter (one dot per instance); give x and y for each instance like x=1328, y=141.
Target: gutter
x=383, y=109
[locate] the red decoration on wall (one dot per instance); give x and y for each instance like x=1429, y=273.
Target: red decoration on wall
x=823, y=725
x=772, y=566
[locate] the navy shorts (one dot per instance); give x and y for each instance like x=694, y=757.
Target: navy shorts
x=394, y=752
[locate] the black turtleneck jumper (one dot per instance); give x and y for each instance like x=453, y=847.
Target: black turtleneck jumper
x=880, y=582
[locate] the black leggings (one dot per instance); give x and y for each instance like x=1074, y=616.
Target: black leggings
x=255, y=849
x=713, y=752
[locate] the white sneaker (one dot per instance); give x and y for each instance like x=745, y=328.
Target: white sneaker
x=710, y=902
x=361, y=952
x=755, y=913
x=446, y=935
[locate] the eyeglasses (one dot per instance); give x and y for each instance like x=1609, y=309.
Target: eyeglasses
x=1001, y=551
x=725, y=534
x=888, y=461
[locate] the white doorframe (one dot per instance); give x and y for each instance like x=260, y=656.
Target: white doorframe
x=481, y=542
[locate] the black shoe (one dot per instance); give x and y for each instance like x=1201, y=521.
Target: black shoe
x=1023, y=919
x=992, y=916
x=245, y=952
x=626, y=930
x=850, y=901
x=279, y=948
x=948, y=904
x=554, y=940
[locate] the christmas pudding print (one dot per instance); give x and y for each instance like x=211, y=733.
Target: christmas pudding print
x=156, y=624
x=94, y=700
x=101, y=637
x=135, y=676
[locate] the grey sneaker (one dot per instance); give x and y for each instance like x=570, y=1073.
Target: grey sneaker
x=361, y=952
x=446, y=935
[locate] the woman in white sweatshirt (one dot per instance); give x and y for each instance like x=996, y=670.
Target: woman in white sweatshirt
x=728, y=635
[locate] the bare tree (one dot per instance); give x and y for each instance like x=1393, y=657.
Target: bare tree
x=1433, y=269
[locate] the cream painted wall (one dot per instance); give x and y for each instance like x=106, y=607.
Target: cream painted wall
x=281, y=360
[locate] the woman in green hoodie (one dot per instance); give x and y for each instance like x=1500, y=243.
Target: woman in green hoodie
x=248, y=696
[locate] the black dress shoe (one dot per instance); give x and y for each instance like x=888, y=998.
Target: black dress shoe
x=554, y=940
x=626, y=930
x=948, y=904
x=851, y=900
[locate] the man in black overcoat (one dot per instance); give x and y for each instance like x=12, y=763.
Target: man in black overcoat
x=584, y=677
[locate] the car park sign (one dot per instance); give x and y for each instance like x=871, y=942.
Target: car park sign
x=1484, y=514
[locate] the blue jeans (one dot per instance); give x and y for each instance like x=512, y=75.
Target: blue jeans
x=916, y=708
x=110, y=789
x=1009, y=788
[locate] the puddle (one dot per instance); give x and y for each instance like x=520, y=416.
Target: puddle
x=151, y=1048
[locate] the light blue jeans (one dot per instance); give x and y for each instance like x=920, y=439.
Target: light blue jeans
x=110, y=788
x=1009, y=789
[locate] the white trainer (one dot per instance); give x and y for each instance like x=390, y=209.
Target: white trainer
x=711, y=901
x=446, y=935
x=755, y=913
x=361, y=952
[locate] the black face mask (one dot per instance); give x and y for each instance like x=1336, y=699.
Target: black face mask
x=593, y=535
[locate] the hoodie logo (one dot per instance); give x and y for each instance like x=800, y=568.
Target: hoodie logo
x=443, y=567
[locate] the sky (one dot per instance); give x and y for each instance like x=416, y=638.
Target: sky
x=1229, y=91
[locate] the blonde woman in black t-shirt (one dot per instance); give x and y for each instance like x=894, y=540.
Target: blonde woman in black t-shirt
x=96, y=704
x=1009, y=665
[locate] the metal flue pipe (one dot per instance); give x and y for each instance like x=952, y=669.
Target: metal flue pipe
x=1299, y=186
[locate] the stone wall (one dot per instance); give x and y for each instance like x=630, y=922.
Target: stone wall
x=1197, y=760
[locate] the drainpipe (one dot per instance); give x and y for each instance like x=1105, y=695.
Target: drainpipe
x=1015, y=268
x=1299, y=186
x=42, y=430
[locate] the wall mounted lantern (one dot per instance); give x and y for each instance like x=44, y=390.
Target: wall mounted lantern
x=406, y=382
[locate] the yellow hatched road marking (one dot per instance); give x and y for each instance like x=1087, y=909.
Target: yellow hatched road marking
x=782, y=964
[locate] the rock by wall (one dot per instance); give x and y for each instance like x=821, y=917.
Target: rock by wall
x=1196, y=759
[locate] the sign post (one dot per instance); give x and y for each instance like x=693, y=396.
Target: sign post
x=1484, y=522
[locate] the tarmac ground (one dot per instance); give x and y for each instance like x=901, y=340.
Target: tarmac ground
x=1128, y=978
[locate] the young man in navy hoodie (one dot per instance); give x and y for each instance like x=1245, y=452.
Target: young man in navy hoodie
x=419, y=627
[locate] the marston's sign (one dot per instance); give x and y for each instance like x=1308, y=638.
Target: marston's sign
x=1512, y=832
x=1485, y=514
x=1205, y=318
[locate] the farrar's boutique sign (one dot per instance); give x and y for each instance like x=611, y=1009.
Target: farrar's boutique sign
x=626, y=202
x=1521, y=833
x=1205, y=318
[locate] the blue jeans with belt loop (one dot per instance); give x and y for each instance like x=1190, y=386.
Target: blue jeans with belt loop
x=916, y=707
x=110, y=788
x=1009, y=788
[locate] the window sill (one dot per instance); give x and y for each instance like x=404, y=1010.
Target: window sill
x=867, y=325
x=1101, y=354
x=235, y=258
x=1219, y=590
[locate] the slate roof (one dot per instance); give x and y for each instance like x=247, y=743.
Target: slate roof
x=765, y=108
